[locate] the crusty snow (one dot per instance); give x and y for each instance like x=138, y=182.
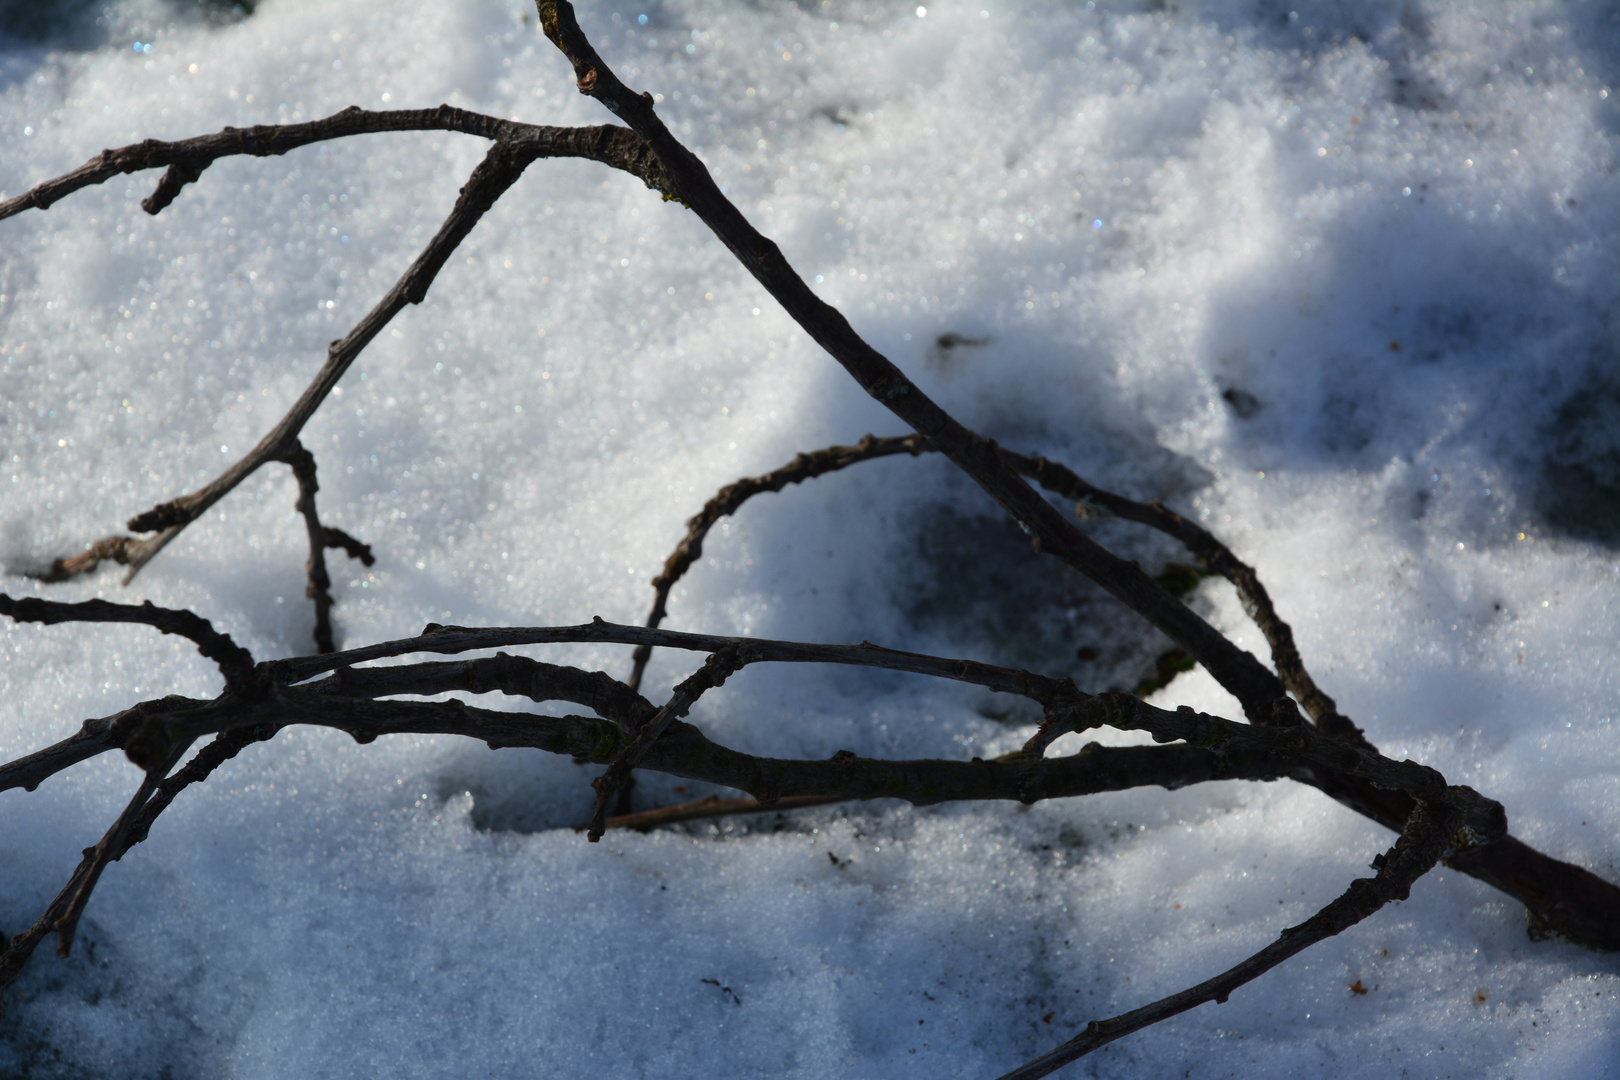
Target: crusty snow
x=1337, y=279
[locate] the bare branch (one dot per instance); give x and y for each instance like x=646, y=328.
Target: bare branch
x=457, y=639
x=1567, y=899
x=319, y=588
x=354, y=549
x=1435, y=820
x=114, y=548
x=733, y=495
x=124, y=835
x=1060, y=480
x=686, y=752
x=710, y=806
x=714, y=672
x=1234, y=668
x=1068, y=709
x=186, y=159
x=111, y=844
x=518, y=676
x=235, y=662
x=517, y=146
x=1218, y=557
x=21, y=947
x=1237, y=670
x=1426, y=837
x=498, y=171
x=94, y=737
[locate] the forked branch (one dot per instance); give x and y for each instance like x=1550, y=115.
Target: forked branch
x=1245, y=677
x=516, y=146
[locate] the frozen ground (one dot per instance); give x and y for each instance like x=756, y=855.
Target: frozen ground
x=1340, y=279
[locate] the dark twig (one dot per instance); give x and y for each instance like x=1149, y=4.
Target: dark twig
x=729, y=498
x=516, y=146
x=22, y=946
x=1255, y=687
x=110, y=846
x=710, y=806
x=725, y=502
x=1060, y=480
x=714, y=672
x=113, y=548
x=1239, y=672
x=187, y=158
x=161, y=728
x=223, y=747
x=354, y=549
x=498, y=171
x=135, y=830
x=684, y=751
x=1067, y=708
x=319, y=588
x=235, y=662
x=1056, y=478
x=458, y=639
x=1514, y=864
x=1426, y=837
x=342, y=700
x=1089, y=498
x=96, y=736
x=518, y=676
x=1577, y=903
x=1434, y=819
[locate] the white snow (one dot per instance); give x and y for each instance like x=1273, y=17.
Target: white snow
x=1390, y=227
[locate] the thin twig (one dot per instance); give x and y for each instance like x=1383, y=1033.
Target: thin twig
x=1067, y=708
x=235, y=662
x=1257, y=603
x=436, y=638
x=111, y=548
x=729, y=498
x=516, y=146
x=1235, y=669
x=221, y=749
x=1239, y=672
x=684, y=751
x=1421, y=844
x=354, y=549
x=319, y=588
x=1570, y=900
x=21, y=947
x=711, y=806
x=186, y=159
x=110, y=846
x=1058, y=479
x=714, y=672
x=498, y=171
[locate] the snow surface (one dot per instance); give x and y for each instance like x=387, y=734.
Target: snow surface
x=1339, y=279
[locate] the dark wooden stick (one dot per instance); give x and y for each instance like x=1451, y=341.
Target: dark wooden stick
x=186, y=159
x=731, y=497
x=1419, y=847
x=1255, y=687
x=1244, y=676
x=235, y=662
x=711, y=806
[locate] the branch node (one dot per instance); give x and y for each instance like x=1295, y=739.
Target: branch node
x=174, y=178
